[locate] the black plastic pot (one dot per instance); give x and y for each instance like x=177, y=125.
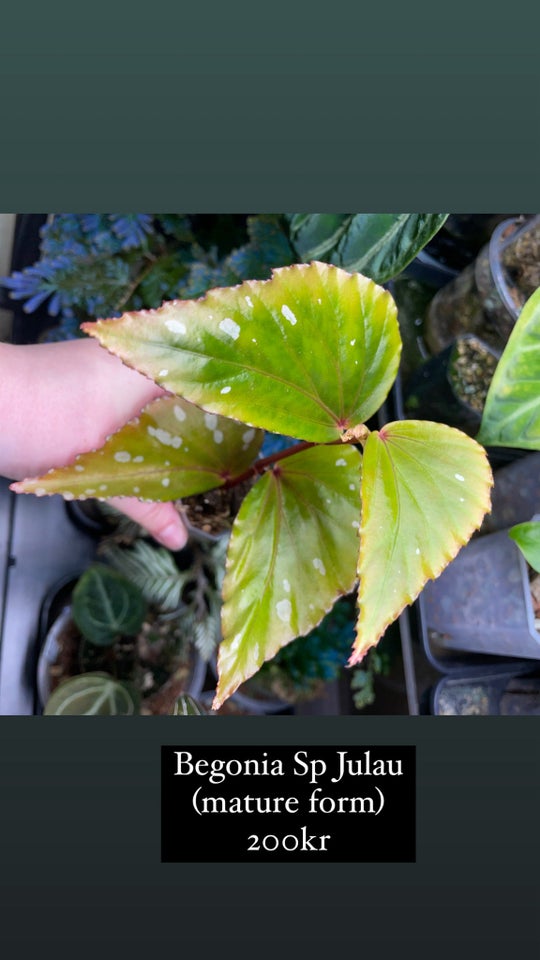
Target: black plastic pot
x=482, y=601
x=515, y=495
x=500, y=693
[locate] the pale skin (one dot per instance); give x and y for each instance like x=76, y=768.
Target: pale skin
x=61, y=399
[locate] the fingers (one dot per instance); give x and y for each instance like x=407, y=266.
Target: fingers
x=160, y=519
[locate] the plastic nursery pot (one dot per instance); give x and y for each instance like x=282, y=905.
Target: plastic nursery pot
x=254, y=697
x=88, y=516
x=210, y=516
x=59, y=655
x=487, y=297
x=494, y=694
x=451, y=387
x=482, y=600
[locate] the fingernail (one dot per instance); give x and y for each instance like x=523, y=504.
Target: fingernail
x=173, y=536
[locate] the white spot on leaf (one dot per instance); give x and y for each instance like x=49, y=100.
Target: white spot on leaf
x=78, y=467
x=319, y=565
x=138, y=459
x=459, y=477
x=122, y=456
x=218, y=436
x=225, y=390
x=163, y=373
x=341, y=462
x=210, y=421
x=248, y=301
x=179, y=413
x=230, y=328
x=165, y=437
x=284, y=610
x=288, y=314
x=165, y=482
x=175, y=326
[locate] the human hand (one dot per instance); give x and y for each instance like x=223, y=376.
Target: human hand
x=61, y=399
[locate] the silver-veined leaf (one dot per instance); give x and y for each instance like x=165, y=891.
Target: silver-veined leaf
x=92, y=694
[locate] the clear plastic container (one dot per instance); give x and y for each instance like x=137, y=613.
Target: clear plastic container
x=488, y=296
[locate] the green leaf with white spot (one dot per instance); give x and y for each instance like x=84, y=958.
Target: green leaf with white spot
x=379, y=245
x=308, y=353
x=425, y=489
x=92, y=694
x=172, y=450
x=527, y=537
x=292, y=553
x=511, y=415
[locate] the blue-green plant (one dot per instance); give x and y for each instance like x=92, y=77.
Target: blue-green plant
x=97, y=265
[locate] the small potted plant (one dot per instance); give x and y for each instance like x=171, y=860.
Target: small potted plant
x=488, y=296
x=106, y=651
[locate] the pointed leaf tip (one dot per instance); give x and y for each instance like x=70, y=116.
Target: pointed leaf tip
x=425, y=490
x=173, y=449
x=307, y=353
x=292, y=553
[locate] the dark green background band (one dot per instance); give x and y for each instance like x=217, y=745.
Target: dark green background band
x=288, y=106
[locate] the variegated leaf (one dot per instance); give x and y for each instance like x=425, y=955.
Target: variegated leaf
x=292, y=553
x=308, y=353
x=425, y=489
x=173, y=449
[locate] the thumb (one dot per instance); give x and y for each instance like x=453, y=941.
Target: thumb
x=160, y=519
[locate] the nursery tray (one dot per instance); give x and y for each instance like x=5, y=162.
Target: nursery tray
x=487, y=694
x=515, y=499
x=39, y=545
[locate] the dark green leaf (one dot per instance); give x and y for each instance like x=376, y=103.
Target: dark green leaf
x=106, y=606
x=378, y=245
